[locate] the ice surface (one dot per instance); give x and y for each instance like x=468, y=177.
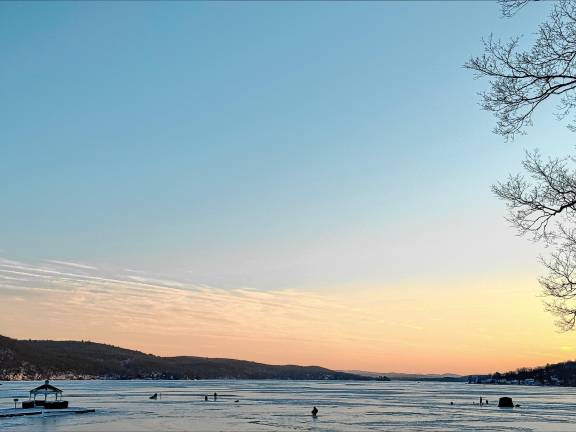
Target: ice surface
x=286, y=405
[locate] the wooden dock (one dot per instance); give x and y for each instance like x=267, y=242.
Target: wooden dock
x=18, y=412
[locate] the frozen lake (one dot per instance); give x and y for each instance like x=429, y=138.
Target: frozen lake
x=286, y=405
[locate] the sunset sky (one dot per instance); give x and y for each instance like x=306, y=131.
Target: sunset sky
x=297, y=182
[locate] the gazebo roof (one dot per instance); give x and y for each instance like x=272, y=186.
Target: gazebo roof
x=45, y=389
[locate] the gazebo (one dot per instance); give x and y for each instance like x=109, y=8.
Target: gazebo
x=46, y=389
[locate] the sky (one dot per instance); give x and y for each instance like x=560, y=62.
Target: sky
x=284, y=182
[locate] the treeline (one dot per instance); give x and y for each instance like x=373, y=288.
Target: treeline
x=39, y=359
x=563, y=374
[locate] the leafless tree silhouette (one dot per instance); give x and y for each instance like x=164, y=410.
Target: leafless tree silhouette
x=510, y=7
x=520, y=80
x=542, y=201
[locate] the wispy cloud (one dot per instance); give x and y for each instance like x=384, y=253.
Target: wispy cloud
x=166, y=315
x=153, y=305
x=156, y=281
x=71, y=264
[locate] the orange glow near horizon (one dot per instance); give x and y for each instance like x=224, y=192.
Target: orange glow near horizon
x=458, y=327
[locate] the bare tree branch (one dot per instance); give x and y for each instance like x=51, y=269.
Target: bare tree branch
x=510, y=7
x=541, y=202
x=520, y=80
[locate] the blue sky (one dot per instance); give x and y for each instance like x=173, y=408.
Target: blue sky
x=268, y=145
x=285, y=182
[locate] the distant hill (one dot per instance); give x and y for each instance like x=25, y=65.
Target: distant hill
x=397, y=376
x=560, y=374
x=44, y=359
